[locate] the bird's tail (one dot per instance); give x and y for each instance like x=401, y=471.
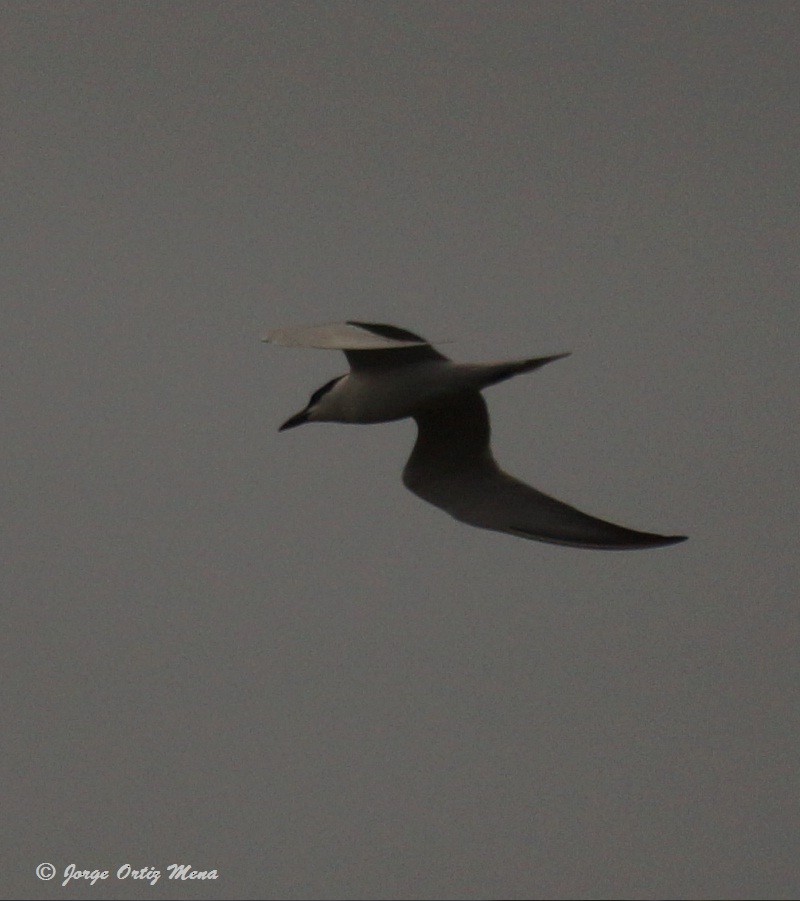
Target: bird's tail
x=493, y=373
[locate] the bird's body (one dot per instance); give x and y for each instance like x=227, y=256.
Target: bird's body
x=384, y=394
x=395, y=374
x=399, y=391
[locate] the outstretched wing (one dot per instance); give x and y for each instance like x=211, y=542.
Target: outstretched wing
x=452, y=468
x=365, y=344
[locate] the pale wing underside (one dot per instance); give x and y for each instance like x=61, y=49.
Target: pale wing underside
x=452, y=468
x=345, y=336
x=367, y=345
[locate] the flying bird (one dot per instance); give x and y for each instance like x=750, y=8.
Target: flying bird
x=395, y=374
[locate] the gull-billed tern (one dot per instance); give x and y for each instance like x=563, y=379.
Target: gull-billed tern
x=395, y=374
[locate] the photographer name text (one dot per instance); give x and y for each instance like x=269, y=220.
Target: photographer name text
x=179, y=872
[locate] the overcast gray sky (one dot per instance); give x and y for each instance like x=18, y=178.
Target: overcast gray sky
x=257, y=652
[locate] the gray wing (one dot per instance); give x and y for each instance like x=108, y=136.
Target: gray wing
x=452, y=468
x=365, y=344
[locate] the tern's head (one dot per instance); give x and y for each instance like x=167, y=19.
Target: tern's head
x=323, y=407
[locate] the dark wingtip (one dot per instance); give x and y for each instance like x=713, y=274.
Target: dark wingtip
x=386, y=331
x=297, y=419
x=626, y=540
x=653, y=541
